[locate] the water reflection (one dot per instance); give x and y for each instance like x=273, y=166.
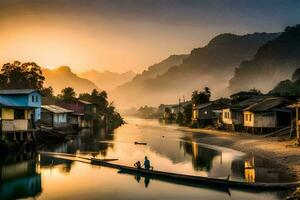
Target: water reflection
x=168, y=148
x=250, y=170
x=20, y=177
x=202, y=158
x=138, y=177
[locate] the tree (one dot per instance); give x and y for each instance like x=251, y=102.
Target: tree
x=47, y=92
x=168, y=110
x=203, y=96
x=103, y=107
x=48, y=97
x=19, y=75
x=67, y=93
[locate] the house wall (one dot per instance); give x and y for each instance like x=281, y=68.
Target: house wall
x=237, y=117
x=205, y=113
x=226, y=116
x=265, y=120
x=249, y=119
x=7, y=113
x=35, y=100
x=15, y=125
x=47, y=118
x=60, y=119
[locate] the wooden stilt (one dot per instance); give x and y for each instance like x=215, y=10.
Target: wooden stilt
x=297, y=125
x=291, y=130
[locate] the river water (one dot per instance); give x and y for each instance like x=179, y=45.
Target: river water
x=168, y=148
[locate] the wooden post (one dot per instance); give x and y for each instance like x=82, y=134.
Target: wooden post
x=291, y=130
x=297, y=124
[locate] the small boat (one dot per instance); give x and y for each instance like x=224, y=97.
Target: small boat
x=198, y=179
x=140, y=143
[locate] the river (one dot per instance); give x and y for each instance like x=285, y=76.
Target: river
x=168, y=148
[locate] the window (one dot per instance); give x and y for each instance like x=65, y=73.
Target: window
x=32, y=98
x=19, y=114
x=246, y=117
x=36, y=98
x=226, y=115
x=249, y=117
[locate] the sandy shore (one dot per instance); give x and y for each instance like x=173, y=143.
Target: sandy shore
x=279, y=152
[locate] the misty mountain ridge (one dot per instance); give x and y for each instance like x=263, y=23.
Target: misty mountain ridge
x=107, y=80
x=289, y=87
x=63, y=76
x=160, y=68
x=211, y=65
x=274, y=61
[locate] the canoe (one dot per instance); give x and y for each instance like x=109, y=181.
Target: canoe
x=140, y=143
x=198, y=179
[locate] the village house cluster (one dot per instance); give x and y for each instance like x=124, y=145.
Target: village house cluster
x=22, y=112
x=244, y=111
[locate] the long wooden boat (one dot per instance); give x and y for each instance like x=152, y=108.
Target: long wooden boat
x=198, y=179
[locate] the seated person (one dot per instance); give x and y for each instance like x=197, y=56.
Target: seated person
x=147, y=164
x=138, y=164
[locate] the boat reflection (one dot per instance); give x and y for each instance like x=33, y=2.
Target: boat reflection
x=20, y=177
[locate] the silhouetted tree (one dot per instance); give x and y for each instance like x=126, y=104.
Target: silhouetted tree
x=48, y=96
x=19, y=75
x=103, y=106
x=67, y=93
x=203, y=96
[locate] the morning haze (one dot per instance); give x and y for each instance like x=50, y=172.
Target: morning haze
x=150, y=99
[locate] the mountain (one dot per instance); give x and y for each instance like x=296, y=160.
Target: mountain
x=160, y=68
x=211, y=65
x=289, y=87
x=62, y=77
x=107, y=80
x=274, y=61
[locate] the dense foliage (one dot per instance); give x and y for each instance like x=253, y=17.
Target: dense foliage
x=203, y=96
x=104, y=107
x=19, y=75
x=67, y=94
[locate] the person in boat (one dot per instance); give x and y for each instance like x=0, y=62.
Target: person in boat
x=138, y=165
x=147, y=163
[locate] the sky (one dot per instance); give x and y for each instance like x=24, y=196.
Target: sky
x=122, y=35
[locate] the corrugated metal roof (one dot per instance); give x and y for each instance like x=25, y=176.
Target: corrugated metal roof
x=85, y=102
x=248, y=102
x=56, y=109
x=267, y=104
x=11, y=102
x=203, y=105
x=17, y=91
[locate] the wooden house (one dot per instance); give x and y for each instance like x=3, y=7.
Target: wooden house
x=84, y=113
x=233, y=116
x=179, y=108
x=269, y=113
x=206, y=113
x=20, y=109
x=55, y=116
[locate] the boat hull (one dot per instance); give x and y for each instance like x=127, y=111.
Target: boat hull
x=197, y=179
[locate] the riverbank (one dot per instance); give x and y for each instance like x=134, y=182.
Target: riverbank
x=279, y=152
